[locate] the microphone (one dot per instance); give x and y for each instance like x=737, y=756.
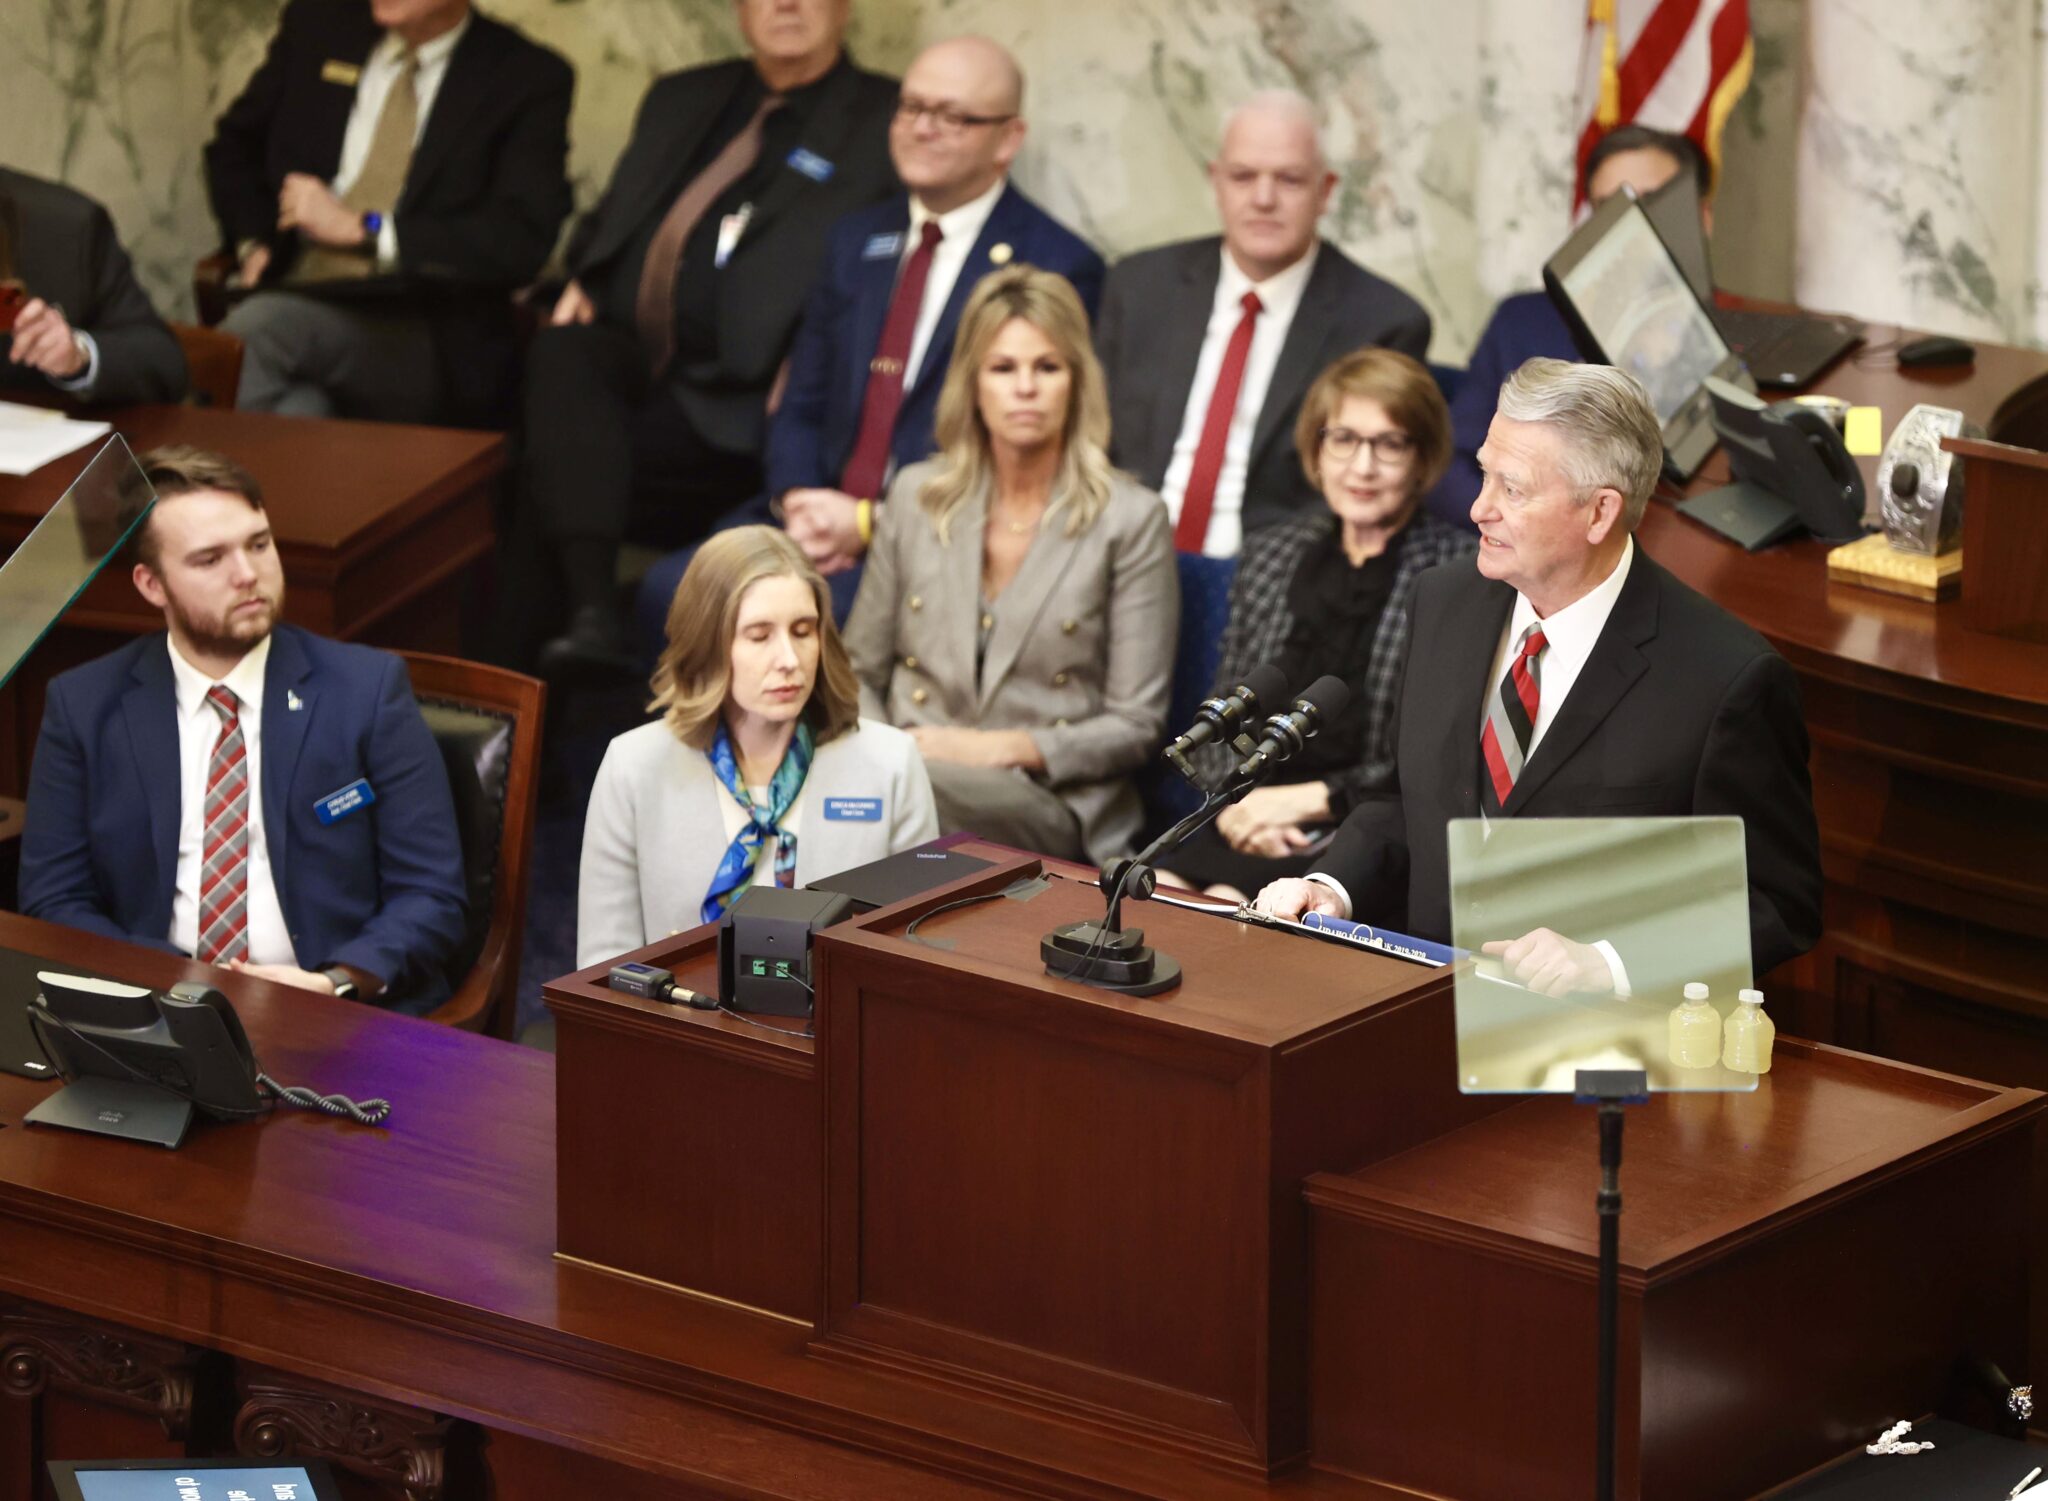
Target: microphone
x=1320, y=702
x=1221, y=718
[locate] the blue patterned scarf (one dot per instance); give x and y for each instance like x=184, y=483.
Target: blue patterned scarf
x=736, y=870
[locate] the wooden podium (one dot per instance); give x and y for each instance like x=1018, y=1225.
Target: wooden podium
x=1250, y=1226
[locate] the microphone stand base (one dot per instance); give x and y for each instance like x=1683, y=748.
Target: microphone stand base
x=1121, y=960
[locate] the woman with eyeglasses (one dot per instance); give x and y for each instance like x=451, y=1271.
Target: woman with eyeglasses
x=1329, y=594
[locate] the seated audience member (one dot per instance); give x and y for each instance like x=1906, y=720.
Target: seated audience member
x=81, y=324
x=393, y=172
x=647, y=400
x=877, y=335
x=1020, y=600
x=238, y=789
x=1210, y=343
x=760, y=769
x=1528, y=325
x=1568, y=675
x=1329, y=594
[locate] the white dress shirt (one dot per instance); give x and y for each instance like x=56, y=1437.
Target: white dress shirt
x=270, y=942
x=1569, y=637
x=959, y=228
x=1279, y=296
x=380, y=71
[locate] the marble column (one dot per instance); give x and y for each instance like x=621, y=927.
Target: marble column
x=1918, y=152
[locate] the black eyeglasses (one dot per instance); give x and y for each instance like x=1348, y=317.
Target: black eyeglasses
x=948, y=119
x=1342, y=444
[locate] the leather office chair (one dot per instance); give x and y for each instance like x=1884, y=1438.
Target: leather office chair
x=214, y=359
x=487, y=723
x=210, y=275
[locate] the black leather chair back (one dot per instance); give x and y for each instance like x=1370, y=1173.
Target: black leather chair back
x=476, y=747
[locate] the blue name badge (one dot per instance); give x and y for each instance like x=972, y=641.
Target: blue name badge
x=881, y=247
x=812, y=165
x=340, y=804
x=853, y=810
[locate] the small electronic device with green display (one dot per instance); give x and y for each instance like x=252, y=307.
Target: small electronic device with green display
x=764, y=947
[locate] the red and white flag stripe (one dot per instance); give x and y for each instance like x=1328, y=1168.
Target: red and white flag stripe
x=1676, y=65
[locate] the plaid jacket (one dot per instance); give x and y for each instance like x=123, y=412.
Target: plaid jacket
x=1261, y=619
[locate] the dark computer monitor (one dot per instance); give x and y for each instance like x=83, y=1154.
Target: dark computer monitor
x=1628, y=304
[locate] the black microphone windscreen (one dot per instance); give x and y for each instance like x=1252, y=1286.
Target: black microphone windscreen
x=1330, y=695
x=1266, y=685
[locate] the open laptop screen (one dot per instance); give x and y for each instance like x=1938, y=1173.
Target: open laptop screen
x=1637, y=304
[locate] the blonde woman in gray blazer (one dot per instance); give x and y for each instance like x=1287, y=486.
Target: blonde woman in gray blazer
x=760, y=768
x=1019, y=608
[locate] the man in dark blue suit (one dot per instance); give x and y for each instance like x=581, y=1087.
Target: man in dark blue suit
x=877, y=333
x=312, y=842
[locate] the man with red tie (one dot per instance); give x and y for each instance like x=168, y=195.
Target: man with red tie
x=1209, y=345
x=238, y=789
x=1568, y=675
x=647, y=398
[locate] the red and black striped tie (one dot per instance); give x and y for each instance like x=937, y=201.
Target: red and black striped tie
x=224, y=867
x=1511, y=718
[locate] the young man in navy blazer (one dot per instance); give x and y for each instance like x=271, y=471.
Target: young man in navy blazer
x=958, y=125
x=311, y=842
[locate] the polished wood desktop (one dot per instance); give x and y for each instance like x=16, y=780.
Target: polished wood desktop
x=377, y=525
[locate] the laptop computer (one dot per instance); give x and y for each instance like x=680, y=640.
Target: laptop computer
x=1784, y=351
x=880, y=883
x=1628, y=304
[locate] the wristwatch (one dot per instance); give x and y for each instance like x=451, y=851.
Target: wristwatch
x=344, y=985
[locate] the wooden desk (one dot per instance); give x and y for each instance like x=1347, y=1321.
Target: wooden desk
x=375, y=522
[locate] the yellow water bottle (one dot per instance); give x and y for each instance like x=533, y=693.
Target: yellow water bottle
x=1695, y=1030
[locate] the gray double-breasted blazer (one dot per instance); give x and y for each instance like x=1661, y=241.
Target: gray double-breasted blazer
x=1080, y=653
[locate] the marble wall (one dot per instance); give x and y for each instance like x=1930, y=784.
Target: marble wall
x=1451, y=121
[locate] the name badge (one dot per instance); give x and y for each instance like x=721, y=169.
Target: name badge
x=812, y=165
x=357, y=794
x=853, y=810
x=348, y=75
x=882, y=247
x=730, y=228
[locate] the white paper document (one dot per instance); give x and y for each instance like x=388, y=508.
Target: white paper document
x=31, y=437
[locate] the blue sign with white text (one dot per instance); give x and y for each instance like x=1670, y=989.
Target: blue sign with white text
x=853, y=809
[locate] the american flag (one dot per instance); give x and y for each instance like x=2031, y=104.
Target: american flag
x=1677, y=65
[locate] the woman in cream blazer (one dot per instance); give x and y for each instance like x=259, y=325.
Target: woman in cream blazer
x=1020, y=604
x=760, y=768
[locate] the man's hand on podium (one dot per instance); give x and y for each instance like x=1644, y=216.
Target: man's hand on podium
x=1293, y=899
x=1552, y=964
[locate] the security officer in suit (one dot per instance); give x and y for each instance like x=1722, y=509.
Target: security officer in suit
x=393, y=171
x=647, y=399
x=240, y=790
x=1569, y=676
x=84, y=326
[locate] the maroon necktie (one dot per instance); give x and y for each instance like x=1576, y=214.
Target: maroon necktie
x=865, y=471
x=1511, y=717
x=1199, y=498
x=654, y=309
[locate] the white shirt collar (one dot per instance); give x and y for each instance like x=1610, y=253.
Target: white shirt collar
x=957, y=226
x=245, y=680
x=1575, y=628
x=432, y=54
x=1279, y=294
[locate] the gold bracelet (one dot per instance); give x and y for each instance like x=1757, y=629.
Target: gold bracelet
x=864, y=520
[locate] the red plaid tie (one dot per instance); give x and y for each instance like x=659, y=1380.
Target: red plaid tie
x=883, y=399
x=1199, y=498
x=224, y=871
x=1511, y=718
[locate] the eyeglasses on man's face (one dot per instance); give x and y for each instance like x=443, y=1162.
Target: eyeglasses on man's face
x=1389, y=448
x=944, y=117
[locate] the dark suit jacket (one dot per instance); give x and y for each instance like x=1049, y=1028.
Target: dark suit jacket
x=1680, y=710
x=1155, y=309
x=380, y=889
x=813, y=432
x=1522, y=327
x=484, y=199
x=763, y=285
x=66, y=252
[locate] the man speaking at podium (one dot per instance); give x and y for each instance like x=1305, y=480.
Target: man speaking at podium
x=1571, y=676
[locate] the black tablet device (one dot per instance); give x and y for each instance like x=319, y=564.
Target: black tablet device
x=192, y=1480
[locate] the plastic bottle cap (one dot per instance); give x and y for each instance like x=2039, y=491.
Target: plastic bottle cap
x=1752, y=997
x=1694, y=992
